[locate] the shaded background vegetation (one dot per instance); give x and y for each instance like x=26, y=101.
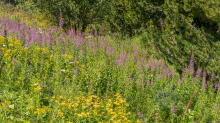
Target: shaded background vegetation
x=179, y=30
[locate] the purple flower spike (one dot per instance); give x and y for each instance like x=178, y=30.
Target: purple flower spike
x=191, y=66
x=173, y=109
x=204, y=85
x=212, y=76
x=199, y=72
x=75, y=72
x=61, y=23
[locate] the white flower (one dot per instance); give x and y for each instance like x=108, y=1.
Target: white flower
x=89, y=36
x=35, y=84
x=63, y=70
x=71, y=62
x=4, y=45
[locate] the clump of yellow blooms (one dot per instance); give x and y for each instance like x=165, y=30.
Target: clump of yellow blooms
x=42, y=111
x=4, y=104
x=92, y=106
x=13, y=47
x=67, y=57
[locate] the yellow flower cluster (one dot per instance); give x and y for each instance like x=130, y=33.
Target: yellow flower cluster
x=5, y=104
x=37, y=89
x=93, y=106
x=14, y=46
x=8, y=55
x=67, y=57
x=30, y=107
x=42, y=111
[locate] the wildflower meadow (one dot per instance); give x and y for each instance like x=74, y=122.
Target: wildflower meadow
x=51, y=75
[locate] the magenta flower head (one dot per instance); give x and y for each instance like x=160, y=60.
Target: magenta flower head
x=61, y=23
x=173, y=109
x=198, y=73
x=191, y=66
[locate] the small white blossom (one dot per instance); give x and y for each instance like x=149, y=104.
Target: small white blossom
x=35, y=84
x=63, y=70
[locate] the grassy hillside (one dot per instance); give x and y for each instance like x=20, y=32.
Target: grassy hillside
x=48, y=75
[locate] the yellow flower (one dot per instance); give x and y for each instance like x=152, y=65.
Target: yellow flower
x=8, y=51
x=87, y=114
x=138, y=121
x=83, y=107
x=38, y=88
x=79, y=115
x=63, y=103
x=38, y=49
x=10, y=45
x=2, y=49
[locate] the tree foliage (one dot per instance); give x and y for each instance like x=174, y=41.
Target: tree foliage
x=190, y=28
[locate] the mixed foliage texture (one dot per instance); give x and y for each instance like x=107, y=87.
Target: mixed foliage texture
x=83, y=72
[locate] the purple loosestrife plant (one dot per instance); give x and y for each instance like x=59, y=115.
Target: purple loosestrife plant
x=204, y=85
x=136, y=53
x=198, y=73
x=61, y=23
x=165, y=72
x=191, y=66
x=144, y=53
x=96, y=33
x=143, y=61
x=102, y=45
x=212, y=76
x=173, y=109
x=149, y=82
x=173, y=73
x=75, y=72
x=95, y=46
